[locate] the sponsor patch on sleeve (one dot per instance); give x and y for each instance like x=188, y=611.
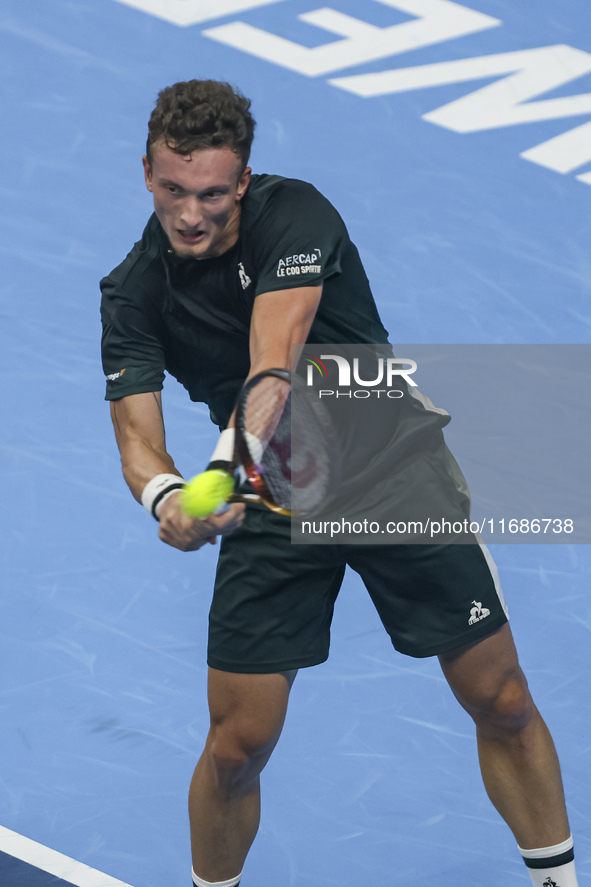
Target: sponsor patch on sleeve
x=300, y=264
x=112, y=376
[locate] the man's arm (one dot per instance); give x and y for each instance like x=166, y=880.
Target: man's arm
x=139, y=429
x=279, y=321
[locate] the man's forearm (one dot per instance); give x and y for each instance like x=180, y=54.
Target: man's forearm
x=140, y=463
x=139, y=430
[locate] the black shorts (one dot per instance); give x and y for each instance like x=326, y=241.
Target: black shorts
x=273, y=601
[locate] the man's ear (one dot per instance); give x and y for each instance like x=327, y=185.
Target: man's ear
x=243, y=182
x=147, y=172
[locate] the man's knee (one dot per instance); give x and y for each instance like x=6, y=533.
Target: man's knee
x=487, y=680
x=502, y=707
x=247, y=714
x=236, y=754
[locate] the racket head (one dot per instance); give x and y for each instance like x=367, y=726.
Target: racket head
x=285, y=444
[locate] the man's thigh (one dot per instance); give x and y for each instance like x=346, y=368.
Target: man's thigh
x=432, y=598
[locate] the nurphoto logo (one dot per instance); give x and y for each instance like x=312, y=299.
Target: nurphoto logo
x=388, y=371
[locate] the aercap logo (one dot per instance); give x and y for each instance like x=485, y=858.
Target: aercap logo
x=300, y=263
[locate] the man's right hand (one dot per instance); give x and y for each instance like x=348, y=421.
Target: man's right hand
x=189, y=533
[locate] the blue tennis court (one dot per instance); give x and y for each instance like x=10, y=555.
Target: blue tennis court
x=455, y=141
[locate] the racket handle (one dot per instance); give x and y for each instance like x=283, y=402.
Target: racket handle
x=254, y=498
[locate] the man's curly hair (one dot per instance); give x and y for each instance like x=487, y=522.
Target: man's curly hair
x=197, y=114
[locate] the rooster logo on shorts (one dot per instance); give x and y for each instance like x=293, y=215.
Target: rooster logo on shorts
x=477, y=613
x=549, y=883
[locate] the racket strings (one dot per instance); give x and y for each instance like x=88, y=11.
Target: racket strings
x=290, y=445
x=313, y=462
x=266, y=429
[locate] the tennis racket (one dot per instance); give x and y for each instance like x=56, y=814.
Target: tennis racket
x=285, y=445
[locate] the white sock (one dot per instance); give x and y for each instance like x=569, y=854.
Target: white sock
x=552, y=866
x=199, y=882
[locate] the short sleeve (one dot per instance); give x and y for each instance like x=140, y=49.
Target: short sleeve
x=298, y=238
x=133, y=357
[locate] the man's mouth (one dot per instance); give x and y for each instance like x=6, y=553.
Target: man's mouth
x=190, y=237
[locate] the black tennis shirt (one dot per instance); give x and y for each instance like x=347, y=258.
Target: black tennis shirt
x=191, y=317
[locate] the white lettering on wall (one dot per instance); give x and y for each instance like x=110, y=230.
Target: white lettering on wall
x=437, y=21
x=191, y=12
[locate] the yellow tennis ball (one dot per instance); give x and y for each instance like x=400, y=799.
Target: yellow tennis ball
x=206, y=492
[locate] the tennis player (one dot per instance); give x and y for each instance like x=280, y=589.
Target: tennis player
x=232, y=270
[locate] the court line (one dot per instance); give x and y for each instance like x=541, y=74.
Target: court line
x=54, y=863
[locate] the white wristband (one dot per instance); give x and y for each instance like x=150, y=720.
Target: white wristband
x=159, y=488
x=158, y=505
x=224, y=451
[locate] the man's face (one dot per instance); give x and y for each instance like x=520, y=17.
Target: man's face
x=197, y=198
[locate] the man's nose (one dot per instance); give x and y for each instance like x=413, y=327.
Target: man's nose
x=191, y=214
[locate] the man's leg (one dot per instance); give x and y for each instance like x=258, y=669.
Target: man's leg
x=517, y=756
x=247, y=714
